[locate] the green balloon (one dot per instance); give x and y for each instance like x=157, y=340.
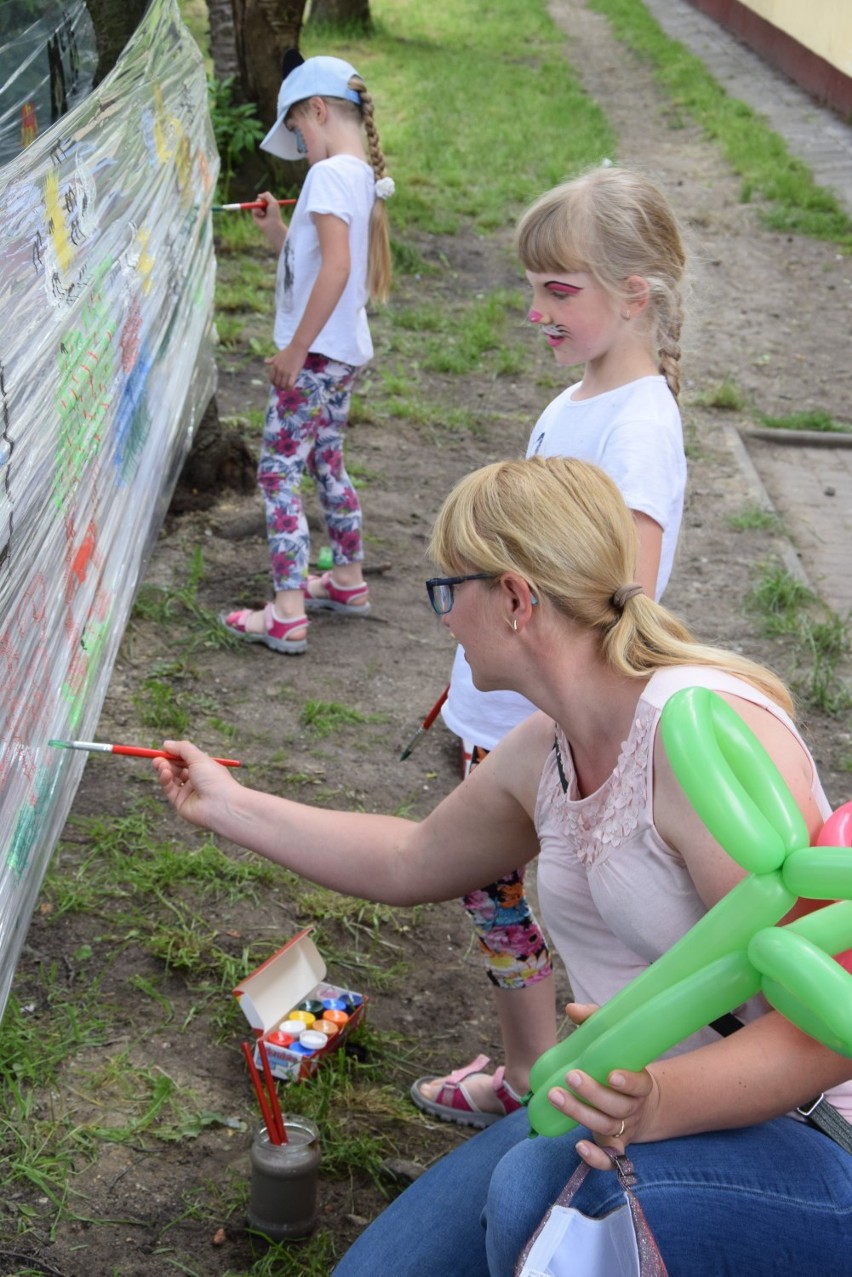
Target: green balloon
x=807, y=986
x=730, y=780
x=650, y=1031
x=754, y=902
x=741, y=797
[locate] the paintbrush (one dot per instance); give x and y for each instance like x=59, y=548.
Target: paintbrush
x=132, y=751
x=232, y=208
x=424, y=726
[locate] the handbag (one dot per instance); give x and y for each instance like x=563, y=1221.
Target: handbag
x=570, y=1244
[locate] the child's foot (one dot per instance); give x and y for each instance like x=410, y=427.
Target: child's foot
x=468, y=1096
x=324, y=592
x=267, y=627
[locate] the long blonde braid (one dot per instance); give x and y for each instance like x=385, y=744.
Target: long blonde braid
x=379, y=268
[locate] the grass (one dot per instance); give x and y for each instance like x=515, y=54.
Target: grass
x=822, y=640
x=816, y=419
x=792, y=200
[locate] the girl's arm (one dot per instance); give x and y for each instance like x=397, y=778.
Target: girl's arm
x=481, y=830
x=650, y=537
x=333, y=234
x=270, y=221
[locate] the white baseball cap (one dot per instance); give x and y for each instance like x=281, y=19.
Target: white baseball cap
x=316, y=78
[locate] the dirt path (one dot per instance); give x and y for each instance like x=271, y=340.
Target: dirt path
x=767, y=311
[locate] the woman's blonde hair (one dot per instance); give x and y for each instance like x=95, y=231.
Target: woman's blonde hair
x=563, y=526
x=613, y=223
x=379, y=268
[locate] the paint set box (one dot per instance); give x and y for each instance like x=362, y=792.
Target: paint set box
x=300, y=1016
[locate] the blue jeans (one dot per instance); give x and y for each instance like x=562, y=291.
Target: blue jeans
x=760, y=1201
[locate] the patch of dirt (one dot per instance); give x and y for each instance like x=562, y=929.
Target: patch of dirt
x=766, y=310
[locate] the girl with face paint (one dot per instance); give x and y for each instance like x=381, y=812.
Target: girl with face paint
x=605, y=262
x=333, y=259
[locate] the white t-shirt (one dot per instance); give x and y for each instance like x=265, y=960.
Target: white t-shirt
x=345, y=187
x=634, y=433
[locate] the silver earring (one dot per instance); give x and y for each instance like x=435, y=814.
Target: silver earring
x=513, y=624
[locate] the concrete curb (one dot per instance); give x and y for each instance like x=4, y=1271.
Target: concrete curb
x=804, y=438
x=786, y=550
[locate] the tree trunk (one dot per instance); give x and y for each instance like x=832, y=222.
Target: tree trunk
x=114, y=22
x=219, y=459
x=223, y=40
x=353, y=14
x=265, y=30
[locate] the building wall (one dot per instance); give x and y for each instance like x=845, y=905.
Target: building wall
x=810, y=42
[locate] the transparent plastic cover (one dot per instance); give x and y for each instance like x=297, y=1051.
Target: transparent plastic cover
x=106, y=298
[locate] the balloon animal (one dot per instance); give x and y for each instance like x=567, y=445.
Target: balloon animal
x=735, y=950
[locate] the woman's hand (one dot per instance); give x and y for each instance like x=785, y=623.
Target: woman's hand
x=197, y=788
x=616, y=1113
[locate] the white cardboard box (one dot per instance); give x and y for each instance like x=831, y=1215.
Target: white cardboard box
x=292, y=975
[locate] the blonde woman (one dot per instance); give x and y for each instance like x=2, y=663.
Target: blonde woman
x=538, y=563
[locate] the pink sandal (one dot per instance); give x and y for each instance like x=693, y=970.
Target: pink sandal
x=337, y=598
x=276, y=631
x=453, y=1104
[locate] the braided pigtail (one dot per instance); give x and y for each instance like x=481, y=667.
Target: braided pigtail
x=670, y=320
x=379, y=269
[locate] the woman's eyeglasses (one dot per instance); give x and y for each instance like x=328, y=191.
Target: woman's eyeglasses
x=440, y=589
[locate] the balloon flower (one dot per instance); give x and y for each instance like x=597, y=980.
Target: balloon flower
x=737, y=949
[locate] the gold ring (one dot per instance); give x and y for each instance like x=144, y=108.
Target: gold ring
x=618, y=1134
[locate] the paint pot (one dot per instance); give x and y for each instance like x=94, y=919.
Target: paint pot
x=337, y=1017
x=313, y=1005
x=313, y=1039
x=306, y=1017
x=278, y=1038
x=292, y=1027
x=284, y=1181
x=351, y=1001
x=334, y=1004
x=328, y=1027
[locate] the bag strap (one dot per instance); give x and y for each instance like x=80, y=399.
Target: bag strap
x=651, y=1263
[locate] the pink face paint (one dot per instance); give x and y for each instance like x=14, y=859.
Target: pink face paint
x=535, y=316
x=562, y=290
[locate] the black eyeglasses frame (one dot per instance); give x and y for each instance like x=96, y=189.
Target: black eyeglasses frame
x=452, y=581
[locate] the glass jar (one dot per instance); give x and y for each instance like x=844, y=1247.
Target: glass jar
x=284, y=1181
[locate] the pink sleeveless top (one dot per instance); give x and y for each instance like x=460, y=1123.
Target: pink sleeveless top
x=613, y=895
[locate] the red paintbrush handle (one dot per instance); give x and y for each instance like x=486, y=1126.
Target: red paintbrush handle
x=265, y=1113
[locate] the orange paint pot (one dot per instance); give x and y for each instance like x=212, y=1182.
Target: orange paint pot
x=327, y=1027
x=336, y=1017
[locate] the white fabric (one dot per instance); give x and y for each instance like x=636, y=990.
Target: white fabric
x=574, y=1245
x=345, y=187
x=634, y=433
x=613, y=895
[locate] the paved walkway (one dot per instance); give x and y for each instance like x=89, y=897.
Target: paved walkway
x=810, y=487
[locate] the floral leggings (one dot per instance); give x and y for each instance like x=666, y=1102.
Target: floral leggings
x=304, y=432
x=510, y=937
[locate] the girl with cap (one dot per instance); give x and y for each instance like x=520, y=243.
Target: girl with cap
x=540, y=560
x=604, y=257
x=333, y=259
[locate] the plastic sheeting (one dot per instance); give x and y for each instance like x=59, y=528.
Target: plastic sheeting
x=106, y=298
x=48, y=58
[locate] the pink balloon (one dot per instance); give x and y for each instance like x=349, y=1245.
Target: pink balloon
x=837, y=830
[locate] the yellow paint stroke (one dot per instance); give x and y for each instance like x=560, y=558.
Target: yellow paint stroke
x=56, y=221
x=145, y=261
